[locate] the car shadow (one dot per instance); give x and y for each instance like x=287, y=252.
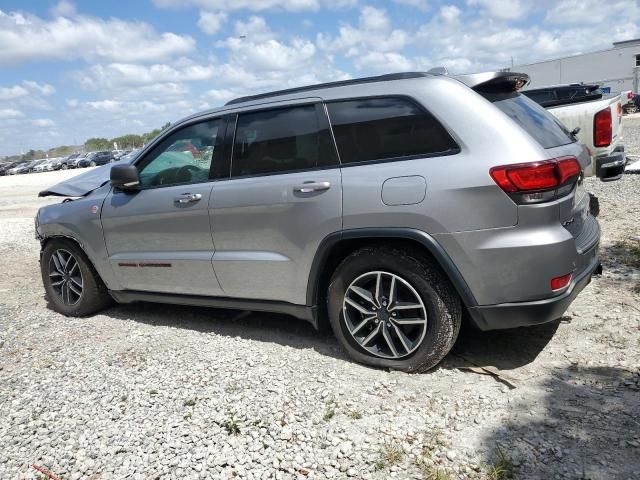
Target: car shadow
x=585, y=426
x=503, y=349
x=267, y=327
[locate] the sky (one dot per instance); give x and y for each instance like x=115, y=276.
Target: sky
x=70, y=71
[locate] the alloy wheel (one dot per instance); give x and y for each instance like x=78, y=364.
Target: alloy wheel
x=385, y=315
x=65, y=277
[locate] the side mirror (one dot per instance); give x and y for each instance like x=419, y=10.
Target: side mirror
x=125, y=177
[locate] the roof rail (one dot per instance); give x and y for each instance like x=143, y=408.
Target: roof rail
x=340, y=83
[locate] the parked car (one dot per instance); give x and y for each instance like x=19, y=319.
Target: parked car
x=45, y=166
x=16, y=168
x=633, y=106
x=23, y=167
x=5, y=167
x=129, y=156
x=594, y=118
x=70, y=161
x=383, y=207
x=96, y=158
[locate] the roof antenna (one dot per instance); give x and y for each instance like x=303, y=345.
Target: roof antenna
x=438, y=71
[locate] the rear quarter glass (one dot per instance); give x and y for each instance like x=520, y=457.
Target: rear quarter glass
x=533, y=118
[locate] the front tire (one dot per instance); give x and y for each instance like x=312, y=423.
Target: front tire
x=73, y=287
x=393, y=308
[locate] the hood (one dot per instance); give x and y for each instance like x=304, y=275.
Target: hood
x=83, y=184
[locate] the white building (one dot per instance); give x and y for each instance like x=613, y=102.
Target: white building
x=617, y=68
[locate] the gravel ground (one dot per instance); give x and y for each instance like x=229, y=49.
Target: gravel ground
x=145, y=391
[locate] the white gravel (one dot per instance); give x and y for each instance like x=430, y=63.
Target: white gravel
x=147, y=391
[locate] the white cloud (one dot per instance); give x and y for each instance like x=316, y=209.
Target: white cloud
x=374, y=33
x=25, y=37
x=43, y=89
x=43, y=122
x=503, y=9
x=11, y=93
x=210, y=22
x=255, y=29
x=10, y=113
x=449, y=13
x=419, y=4
x=582, y=11
x=384, y=62
x=119, y=75
x=254, y=5
x=63, y=8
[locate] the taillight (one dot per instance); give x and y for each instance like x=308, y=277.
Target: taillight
x=630, y=95
x=558, y=283
x=602, y=128
x=537, y=182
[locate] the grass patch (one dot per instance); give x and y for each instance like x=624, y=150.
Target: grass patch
x=231, y=426
x=431, y=472
x=391, y=454
x=503, y=467
x=329, y=413
x=355, y=414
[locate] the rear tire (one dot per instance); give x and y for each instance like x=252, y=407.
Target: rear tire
x=422, y=289
x=72, y=285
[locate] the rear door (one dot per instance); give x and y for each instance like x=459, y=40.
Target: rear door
x=284, y=195
x=159, y=238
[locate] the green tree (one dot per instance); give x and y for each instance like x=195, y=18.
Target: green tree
x=93, y=144
x=128, y=141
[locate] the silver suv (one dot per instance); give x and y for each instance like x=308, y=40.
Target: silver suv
x=385, y=207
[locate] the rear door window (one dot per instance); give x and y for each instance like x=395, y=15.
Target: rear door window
x=373, y=129
x=533, y=118
x=281, y=140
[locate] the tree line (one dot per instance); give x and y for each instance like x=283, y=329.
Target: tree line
x=124, y=142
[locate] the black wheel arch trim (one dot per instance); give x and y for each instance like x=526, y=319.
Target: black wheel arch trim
x=400, y=233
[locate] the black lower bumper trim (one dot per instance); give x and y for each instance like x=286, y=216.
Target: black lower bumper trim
x=523, y=314
x=302, y=312
x=611, y=168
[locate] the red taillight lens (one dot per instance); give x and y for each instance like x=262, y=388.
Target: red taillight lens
x=558, y=283
x=602, y=128
x=568, y=169
x=546, y=176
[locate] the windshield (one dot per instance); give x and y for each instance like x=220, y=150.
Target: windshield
x=537, y=122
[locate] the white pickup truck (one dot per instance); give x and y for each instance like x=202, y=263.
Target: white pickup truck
x=594, y=118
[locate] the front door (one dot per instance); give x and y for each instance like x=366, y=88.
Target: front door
x=159, y=238
x=284, y=196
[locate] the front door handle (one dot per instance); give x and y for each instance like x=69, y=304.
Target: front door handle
x=310, y=187
x=188, y=198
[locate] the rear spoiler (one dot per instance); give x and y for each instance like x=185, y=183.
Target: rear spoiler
x=494, y=82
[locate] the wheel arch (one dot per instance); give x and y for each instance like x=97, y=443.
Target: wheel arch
x=337, y=246
x=49, y=238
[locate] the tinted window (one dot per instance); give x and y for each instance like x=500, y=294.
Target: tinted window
x=382, y=128
x=183, y=157
x=538, y=123
x=282, y=140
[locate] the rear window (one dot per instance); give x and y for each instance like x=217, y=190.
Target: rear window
x=533, y=118
x=386, y=128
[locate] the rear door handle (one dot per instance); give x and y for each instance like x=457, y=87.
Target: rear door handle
x=310, y=187
x=188, y=198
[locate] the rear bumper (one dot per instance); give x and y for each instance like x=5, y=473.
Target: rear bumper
x=521, y=314
x=611, y=167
